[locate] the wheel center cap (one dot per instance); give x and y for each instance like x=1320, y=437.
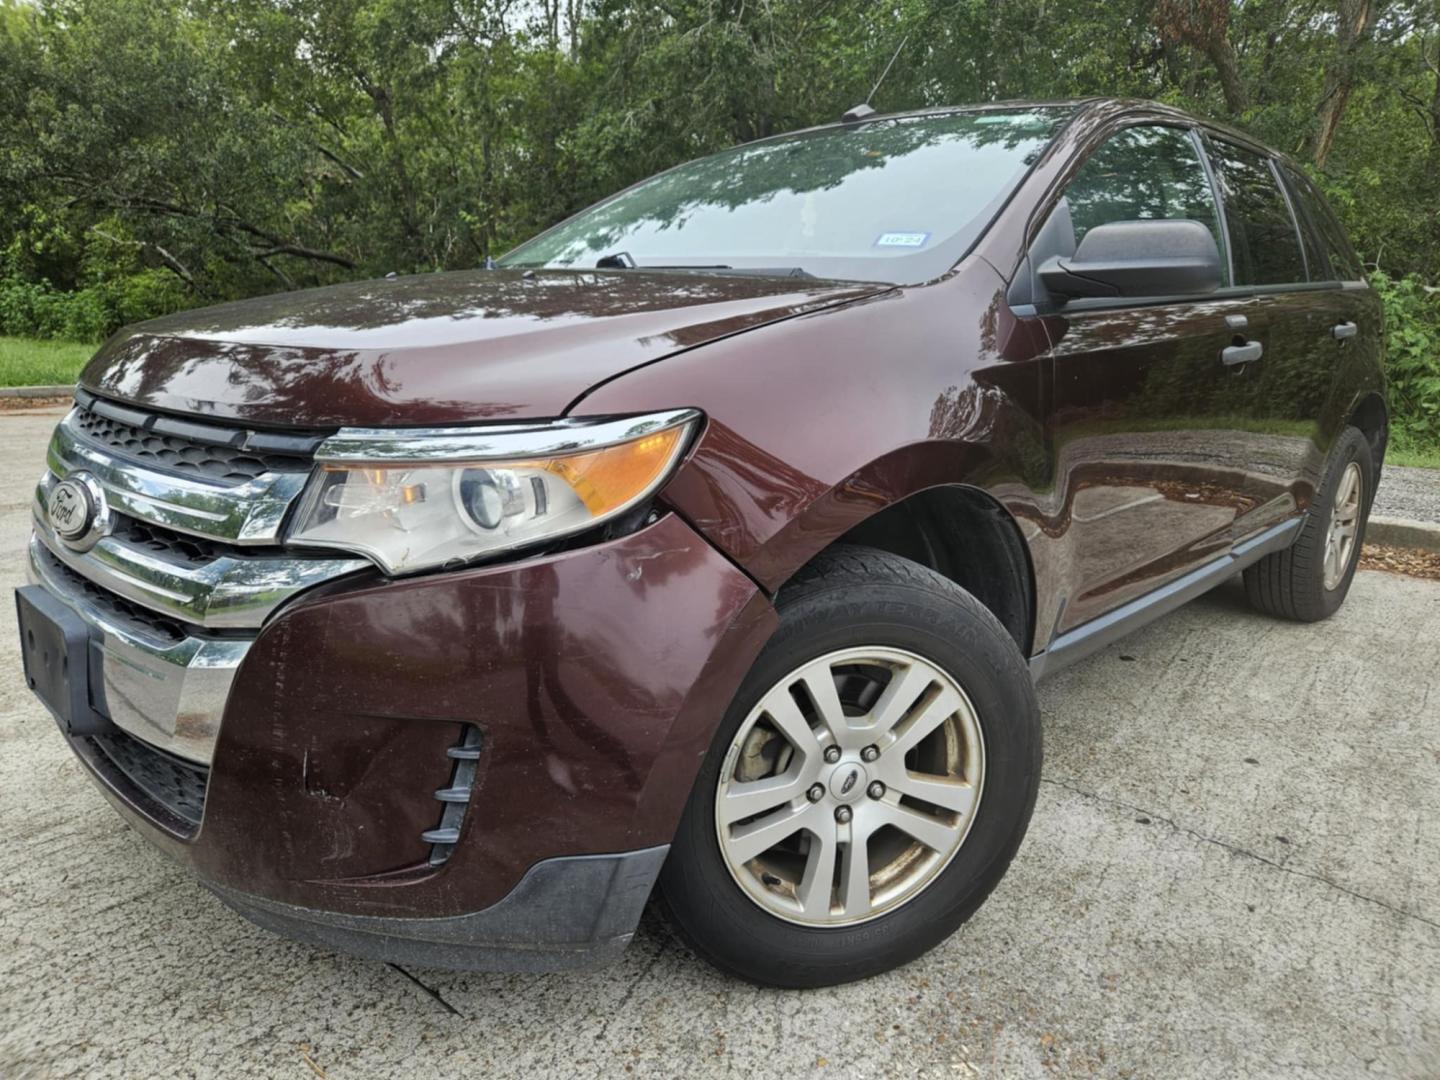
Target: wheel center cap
x=848, y=781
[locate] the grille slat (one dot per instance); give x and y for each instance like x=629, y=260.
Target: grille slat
x=173, y=546
x=128, y=614
x=216, y=462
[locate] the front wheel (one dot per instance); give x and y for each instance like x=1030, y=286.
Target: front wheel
x=869, y=785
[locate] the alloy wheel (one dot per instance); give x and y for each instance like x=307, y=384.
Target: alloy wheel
x=1344, y=524
x=850, y=786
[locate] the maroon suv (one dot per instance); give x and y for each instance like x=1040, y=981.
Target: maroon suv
x=711, y=541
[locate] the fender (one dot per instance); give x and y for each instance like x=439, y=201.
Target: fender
x=771, y=493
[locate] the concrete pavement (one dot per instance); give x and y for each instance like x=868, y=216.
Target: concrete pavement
x=1232, y=871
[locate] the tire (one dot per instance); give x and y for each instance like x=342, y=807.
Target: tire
x=1291, y=584
x=861, y=602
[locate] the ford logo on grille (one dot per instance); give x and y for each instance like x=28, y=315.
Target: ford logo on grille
x=76, y=510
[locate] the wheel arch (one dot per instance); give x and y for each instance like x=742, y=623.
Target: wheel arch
x=1371, y=416
x=966, y=535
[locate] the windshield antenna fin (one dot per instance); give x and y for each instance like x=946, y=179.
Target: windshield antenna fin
x=865, y=110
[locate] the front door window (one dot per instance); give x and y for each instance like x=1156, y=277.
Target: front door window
x=1143, y=173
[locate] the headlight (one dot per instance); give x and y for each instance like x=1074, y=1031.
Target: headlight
x=411, y=500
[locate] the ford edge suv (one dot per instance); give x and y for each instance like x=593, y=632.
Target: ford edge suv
x=707, y=545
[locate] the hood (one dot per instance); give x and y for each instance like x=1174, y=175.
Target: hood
x=435, y=348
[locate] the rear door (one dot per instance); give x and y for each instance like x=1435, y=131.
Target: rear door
x=1298, y=302
x=1150, y=477
x=1341, y=327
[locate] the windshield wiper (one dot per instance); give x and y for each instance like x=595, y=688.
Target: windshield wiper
x=623, y=260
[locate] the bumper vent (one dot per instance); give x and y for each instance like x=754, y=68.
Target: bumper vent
x=455, y=798
x=174, y=785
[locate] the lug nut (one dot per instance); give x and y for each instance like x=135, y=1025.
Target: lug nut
x=816, y=792
x=842, y=814
x=870, y=753
x=875, y=790
x=832, y=754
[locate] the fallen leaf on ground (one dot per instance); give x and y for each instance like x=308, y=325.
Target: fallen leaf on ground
x=1408, y=561
x=24, y=404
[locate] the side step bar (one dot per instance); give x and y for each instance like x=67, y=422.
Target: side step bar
x=1090, y=638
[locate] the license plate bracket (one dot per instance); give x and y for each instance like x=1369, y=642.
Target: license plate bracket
x=61, y=664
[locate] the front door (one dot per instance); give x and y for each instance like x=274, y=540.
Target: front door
x=1150, y=469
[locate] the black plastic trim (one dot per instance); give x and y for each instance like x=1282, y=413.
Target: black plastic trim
x=455, y=798
x=299, y=444
x=570, y=912
x=1094, y=635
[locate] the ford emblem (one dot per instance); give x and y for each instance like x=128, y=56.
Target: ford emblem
x=76, y=510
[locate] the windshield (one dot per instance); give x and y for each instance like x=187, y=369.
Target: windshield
x=897, y=200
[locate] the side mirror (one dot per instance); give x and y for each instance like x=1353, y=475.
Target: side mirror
x=1165, y=257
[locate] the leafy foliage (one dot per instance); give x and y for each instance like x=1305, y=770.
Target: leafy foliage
x=168, y=153
x=1412, y=343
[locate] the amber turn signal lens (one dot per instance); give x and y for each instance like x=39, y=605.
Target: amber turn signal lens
x=609, y=478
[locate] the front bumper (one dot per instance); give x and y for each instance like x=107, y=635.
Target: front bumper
x=568, y=912
x=591, y=681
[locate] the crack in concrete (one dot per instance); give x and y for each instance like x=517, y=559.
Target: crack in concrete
x=629, y=993
x=164, y=886
x=429, y=990
x=1234, y=849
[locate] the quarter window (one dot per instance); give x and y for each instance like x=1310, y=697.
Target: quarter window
x=1143, y=173
x=1263, y=239
x=1326, y=246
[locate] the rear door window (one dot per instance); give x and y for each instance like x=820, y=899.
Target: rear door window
x=1143, y=173
x=1264, y=241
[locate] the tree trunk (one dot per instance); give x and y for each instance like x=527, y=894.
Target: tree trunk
x=1435, y=112
x=1356, y=23
x=1205, y=25
x=1222, y=55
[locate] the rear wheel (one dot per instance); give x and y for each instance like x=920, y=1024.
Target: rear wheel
x=869, y=785
x=1309, y=580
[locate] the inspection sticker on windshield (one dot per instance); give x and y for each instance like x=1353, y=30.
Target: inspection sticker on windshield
x=902, y=239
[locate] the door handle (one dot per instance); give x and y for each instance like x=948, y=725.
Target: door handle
x=1341, y=331
x=1241, y=354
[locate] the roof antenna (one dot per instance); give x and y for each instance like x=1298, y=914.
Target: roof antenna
x=864, y=110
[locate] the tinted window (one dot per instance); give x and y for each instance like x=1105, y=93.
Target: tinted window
x=1317, y=261
x=1143, y=172
x=1326, y=246
x=1265, y=245
x=898, y=199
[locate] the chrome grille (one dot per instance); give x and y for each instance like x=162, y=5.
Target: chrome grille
x=136, y=618
x=246, y=514
x=191, y=563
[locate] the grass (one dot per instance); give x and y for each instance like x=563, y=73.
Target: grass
x=1413, y=458
x=25, y=362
